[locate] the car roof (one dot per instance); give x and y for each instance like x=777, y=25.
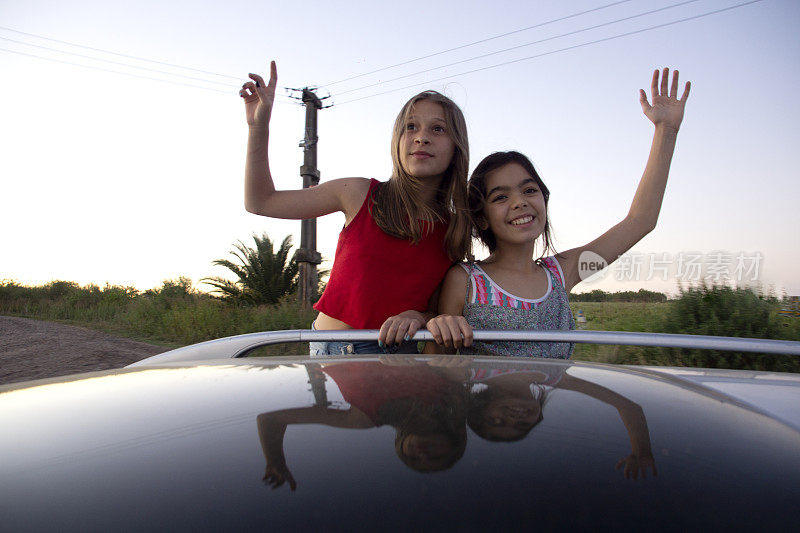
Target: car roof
x=181, y=445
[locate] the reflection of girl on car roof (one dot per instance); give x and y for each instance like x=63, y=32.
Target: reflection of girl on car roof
x=425, y=406
x=508, y=201
x=399, y=238
x=506, y=404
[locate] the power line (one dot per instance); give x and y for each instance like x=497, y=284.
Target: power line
x=118, y=54
x=113, y=71
x=92, y=67
x=520, y=46
x=729, y=8
x=116, y=62
x=127, y=65
x=480, y=41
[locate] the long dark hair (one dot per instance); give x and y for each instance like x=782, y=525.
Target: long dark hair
x=477, y=196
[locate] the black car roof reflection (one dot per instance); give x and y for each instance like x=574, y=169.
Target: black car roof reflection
x=394, y=443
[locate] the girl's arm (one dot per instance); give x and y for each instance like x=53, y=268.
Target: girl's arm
x=666, y=113
x=272, y=428
x=632, y=415
x=450, y=329
x=260, y=196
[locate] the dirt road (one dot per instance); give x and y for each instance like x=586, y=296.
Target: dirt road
x=35, y=349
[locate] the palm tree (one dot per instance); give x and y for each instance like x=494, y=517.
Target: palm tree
x=264, y=275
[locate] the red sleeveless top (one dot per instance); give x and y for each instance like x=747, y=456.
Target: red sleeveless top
x=375, y=275
x=368, y=385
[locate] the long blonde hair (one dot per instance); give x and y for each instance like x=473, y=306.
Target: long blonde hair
x=397, y=208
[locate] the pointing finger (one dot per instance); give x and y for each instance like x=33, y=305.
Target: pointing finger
x=273, y=74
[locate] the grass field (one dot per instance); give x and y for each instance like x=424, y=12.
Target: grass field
x=616, y=316
x=175, y=315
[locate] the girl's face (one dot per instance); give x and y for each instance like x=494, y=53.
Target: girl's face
x=509, y=418
x=427, y=452
x=426, y=148
x=514, y=210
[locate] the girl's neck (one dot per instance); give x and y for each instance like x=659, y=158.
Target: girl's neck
x=517, y=257
x=428, y=205
x=429, y=191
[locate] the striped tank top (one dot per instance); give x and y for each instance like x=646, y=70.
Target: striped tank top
x=489, y=306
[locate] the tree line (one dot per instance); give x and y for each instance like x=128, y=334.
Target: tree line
x=598, y=295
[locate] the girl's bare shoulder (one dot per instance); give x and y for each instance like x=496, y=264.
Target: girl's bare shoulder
x=457, y=272
x=351, y=193
x=455, y=281
x=454, y=291
x=349, y=188
x=568, y=261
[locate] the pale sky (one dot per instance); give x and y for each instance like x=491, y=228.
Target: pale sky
x=110, y=178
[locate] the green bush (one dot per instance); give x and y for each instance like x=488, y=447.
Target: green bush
x=174, y=314
x=725, y=311
x=722, y=310
x=65, y=300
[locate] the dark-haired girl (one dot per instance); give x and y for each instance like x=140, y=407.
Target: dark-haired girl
x=508, y=203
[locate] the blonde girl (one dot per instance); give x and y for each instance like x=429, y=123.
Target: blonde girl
x=399, y=238
x=508, y=200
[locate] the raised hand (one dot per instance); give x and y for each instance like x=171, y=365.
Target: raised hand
x=259, y=97
x=276, y=475
x=634, y=464
x=667, y=108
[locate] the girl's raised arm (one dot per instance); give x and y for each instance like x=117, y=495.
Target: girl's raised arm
x=260, y=196
x=666, y=113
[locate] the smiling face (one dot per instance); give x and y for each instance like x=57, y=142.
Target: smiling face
x=426, y=148
x=511, y=418
x=514, y=208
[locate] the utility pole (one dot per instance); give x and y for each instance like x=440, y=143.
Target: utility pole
x=307, y=256
x=316, y=378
